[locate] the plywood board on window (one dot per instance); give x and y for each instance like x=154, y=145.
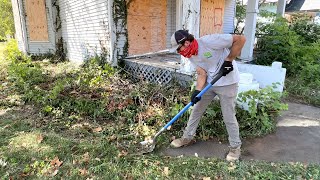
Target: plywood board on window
x=147, y=21
x=37, y=20
x=211, y=16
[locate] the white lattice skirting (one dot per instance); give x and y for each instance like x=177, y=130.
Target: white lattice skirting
x=156, y=74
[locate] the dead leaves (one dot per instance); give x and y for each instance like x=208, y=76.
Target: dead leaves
x=39, y=138
x=56, y=162
x=122, y=153
x=98, y=129
x=232, y=166
x=118, y=104
x=55, y=165
x=86, y=157
x=166, y=171
x=83, y=172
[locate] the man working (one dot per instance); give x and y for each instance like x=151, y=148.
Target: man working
x=212, y=54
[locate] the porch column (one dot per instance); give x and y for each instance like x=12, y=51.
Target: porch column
x=250, y=30
x=190, y=21
x=281, y=7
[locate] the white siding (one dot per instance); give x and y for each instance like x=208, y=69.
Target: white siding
x=85, y=27
x=229, y=14
x=19, y=25
x=43, y=47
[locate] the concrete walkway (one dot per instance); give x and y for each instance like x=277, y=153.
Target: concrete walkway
x=297, y=139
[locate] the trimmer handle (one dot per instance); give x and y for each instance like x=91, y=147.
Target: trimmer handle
x=215, y=79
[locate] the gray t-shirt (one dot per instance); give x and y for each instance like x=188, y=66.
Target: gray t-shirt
x=213, y=49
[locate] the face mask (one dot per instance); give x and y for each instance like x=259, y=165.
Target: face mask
x=192, y=49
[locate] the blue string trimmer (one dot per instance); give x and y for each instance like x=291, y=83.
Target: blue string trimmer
x=149, y=145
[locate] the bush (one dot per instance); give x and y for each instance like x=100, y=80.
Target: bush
x=99, y=93
x=310, y=75
x=278, y=43
x=258, y=121
x=303, y=26
x=288, y=43
x=13, y=54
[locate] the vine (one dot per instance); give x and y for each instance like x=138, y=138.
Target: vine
x=60, y=49
x=120, y=21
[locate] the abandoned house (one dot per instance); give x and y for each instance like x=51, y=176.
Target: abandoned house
x=136, y=31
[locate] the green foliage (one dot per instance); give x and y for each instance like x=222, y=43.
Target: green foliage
x=93, y=71
x=92, y=126
x=278, y=43
x=27, y=78
x=240, y=16
x=86, y=92
x=300, y=92
x=6, y=19
x=303, y=26
x=296, y=45
x=13, y=54
x=264, y=106
x=26, y=74
x=288, y=43
x=310, y=75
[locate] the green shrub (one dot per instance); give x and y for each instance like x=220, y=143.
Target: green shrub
x=22, y=74
x=13, y=54
x=278, y=43
x=310, y=75
x=300, y=92
x=296, y=45
x=303, y=26
x=92, y=73
x=99, y=93
x=258, y=121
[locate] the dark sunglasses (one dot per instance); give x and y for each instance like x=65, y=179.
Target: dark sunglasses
x=180, y=45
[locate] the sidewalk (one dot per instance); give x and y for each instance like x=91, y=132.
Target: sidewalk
x=297, y=139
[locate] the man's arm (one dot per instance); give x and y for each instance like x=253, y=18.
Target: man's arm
x=201, y=78
x=237, y=45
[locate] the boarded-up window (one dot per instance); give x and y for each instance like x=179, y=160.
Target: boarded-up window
x=147, y=20
x=211, y=20
x=37, y=20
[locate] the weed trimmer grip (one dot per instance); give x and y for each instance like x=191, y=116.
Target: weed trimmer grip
x=149, y=145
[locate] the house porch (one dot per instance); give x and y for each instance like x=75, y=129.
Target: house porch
x=158, y=68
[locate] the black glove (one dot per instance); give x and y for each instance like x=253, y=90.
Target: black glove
x=226, y=67
x=195, y=99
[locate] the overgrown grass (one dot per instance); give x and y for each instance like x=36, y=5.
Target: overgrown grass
x=301, y=93
x=33, y=151
x=86, y=123
x=2, y=47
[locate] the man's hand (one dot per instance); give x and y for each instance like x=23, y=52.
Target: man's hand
x=226, y=68
x=194, y=98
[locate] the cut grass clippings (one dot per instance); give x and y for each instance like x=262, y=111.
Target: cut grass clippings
x=31, y=151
